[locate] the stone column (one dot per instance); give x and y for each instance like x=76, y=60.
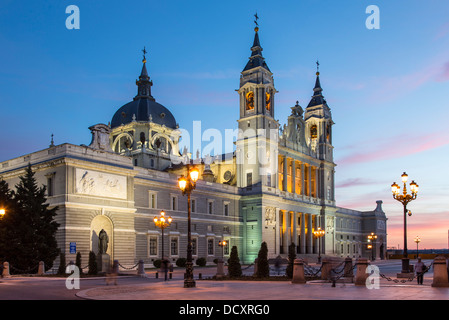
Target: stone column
x=295, y=226
x=309, y=234
x=285, y=169
x=293, y=176
x=310, y=180
x=277, y=236
x=440, y=277
x=302, y=178
x=317, y=185
x=302, y=248
x=315, y=239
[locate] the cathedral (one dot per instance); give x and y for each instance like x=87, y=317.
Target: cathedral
x=277, y=185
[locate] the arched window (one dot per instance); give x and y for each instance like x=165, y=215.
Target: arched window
x=313, y=132
x=250, y=101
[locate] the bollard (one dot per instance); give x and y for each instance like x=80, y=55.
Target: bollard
x=170, y=275
x=220, y=269
x=5, y=273
x=325, y=269
x=255, y=266
x=115, y=267
x=157, y=275
x=200, y=276
x=141, y=270
x=41, y=270
x=298, y=272
x=361, y=275
x=440, y=277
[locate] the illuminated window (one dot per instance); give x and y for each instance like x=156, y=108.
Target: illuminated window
x=313, y=132
x=268, y=101
x=250, y=101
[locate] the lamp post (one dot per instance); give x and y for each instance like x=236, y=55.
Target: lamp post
x=187, y=185
x=417, y=240
x=222, y=244
x=371, y=238
x=405, y=198
x=319, y=233
x=162, y=223
x=2, y=212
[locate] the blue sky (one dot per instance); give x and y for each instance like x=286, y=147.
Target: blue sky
x=387, y=88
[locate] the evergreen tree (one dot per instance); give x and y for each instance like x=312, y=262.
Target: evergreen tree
x=78, y=261
x=93, y=268
x=61, y=269
x=291, y=260
x=35, y=228
x=234, y=267
x=263, y=269
x=7, y=222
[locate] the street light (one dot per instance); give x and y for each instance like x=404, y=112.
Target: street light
x=417, y=240
x=2, y=212
x=162, y=222
x=405, y=198
x=319, y=233
x=222, y=244
x=371, y=238
x=187, y=185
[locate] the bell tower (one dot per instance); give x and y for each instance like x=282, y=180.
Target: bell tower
x=258, y=130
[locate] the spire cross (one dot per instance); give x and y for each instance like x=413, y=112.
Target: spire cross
x=257, y=18
x=317, y=67
x=144, y=53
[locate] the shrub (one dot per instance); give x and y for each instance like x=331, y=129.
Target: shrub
x=263, y=269
x=157, y=263
x=201, y=262
x=61, y=269
x=181, y=262
x=291, y=260
x=93, y=268
x=234, y=266
x=78, y=262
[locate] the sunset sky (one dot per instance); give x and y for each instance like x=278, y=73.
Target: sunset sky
x=388, y=89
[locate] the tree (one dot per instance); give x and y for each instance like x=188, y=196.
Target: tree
x=78, y=262
x=7, y=222
x=263, y=269
x=234, y=266
x=61, y=269
x=93, y=267
x=291, y=260
x=36, y=227
x=28, y=230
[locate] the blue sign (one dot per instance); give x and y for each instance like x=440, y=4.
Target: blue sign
x=72, y=247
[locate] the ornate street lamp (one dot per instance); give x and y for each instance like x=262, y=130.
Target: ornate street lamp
x=417, y=240
x=187, y=185
x=2, y=212
x=162, y=222
x=405, y=198
x=372, y=238
x=222, y=244
x=319, y=233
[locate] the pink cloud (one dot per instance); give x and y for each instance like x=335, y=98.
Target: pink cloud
x=390, y=149
x=354, y=182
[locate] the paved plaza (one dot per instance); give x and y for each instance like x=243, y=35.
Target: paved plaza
x=133, y=287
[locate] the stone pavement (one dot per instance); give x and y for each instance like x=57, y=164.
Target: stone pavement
x=265, y=290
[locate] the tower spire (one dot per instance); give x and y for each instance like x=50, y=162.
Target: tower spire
x=144, y=83
x=256, y=59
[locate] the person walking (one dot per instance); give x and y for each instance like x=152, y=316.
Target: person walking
x=420, y=269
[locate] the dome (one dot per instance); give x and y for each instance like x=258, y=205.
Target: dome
x=142, y=109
